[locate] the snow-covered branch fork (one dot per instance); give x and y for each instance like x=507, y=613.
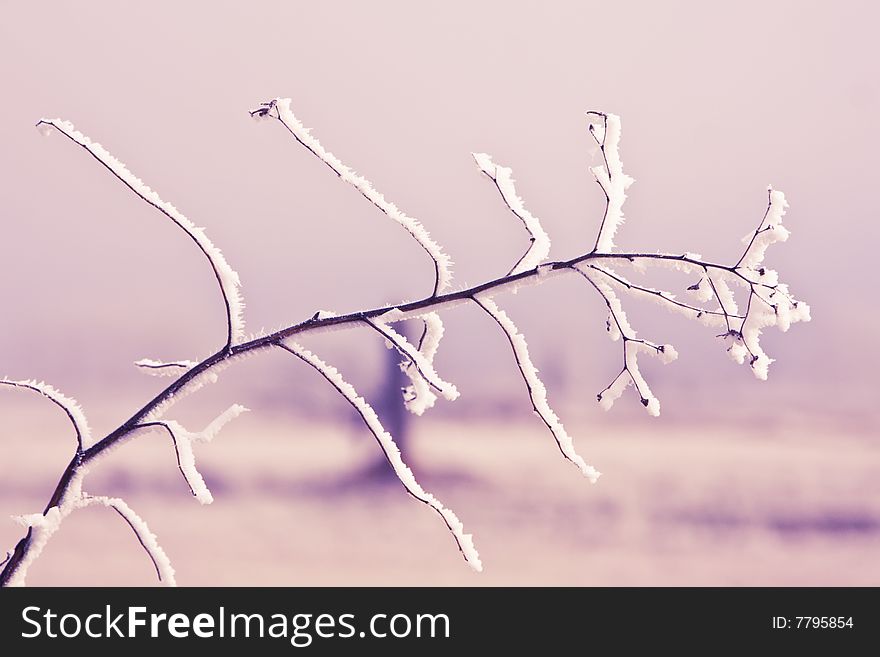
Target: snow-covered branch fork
x=767, y=303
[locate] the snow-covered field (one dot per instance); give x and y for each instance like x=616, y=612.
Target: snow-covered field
x=704, y=505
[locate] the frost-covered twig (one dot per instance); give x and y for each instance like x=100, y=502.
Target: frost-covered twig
x=619, y=328
x=147, y=539
x=536, y=388
x=226, y=276
x=421, y=362
x=769, y=303
x=279, y=108
x=42, y=526
x=389, y=448
x=610, y=176
x=158, y=368
x=183, y=440
x=659, y=296
x=418, y=396
x=67, y=404
x=539, y=247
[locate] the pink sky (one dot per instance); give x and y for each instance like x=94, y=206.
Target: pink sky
x=716, y=103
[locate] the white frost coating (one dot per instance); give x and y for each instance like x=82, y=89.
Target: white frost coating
x=769, y=231
x=392, y=452
x=226, y=276
x=207, y=377
x=613, y=392
x=536, y=388
x=725, y=295
x=503, y=179
x=393, y=315
x=442, y=261
x=759, y=318
x=735, y=347
x=676, y=264
x=762, y=275
x=186, y=459
x=631, y=374
x=702, y=290
x=433, y=334
x=424, y=368
x=147, y=539
x=68, y=404
x=43, y=527
x=418, y=396
x=660, y=297
x=612, y=327
x=183, y=442
x=159, y=368
x=667, y=354
x=611, y=178
x=443, y=303
x=649, y=400
x=210, y=432
x=197, y=383
x=771, y=304
x=631, y=346
x=789, y=311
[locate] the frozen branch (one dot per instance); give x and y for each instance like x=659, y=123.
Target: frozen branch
x=769, y=231
x=147, y=539
x=67, y=404
x=769, y=303
x=226, y=277
x=390, y=449
x=418, y=396
x=42, y=526
x=279, y=109
x=536, y=388
x=619, y=329
x=423, y=366
x=605, y=130
x=183, y=440
x=661, y=297
x=158, y=368
x=539, y=247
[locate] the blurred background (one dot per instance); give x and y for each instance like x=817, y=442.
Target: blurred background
x=738, y=482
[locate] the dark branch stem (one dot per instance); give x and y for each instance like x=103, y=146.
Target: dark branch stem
x=645, y=290
x=607, y=168
x=164, y=425
x=720, y=302
x=163, y=366
x=316, y=323
x=523, y=256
